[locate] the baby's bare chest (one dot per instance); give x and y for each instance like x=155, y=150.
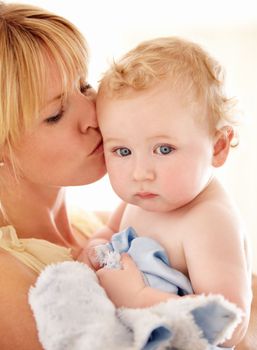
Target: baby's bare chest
x=168, y=231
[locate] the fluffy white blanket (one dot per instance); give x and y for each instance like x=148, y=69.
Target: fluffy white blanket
x=72, y=312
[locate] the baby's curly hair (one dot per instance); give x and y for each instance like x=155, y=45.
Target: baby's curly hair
x=185, y=64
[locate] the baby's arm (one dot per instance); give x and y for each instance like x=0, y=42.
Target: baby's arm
x=216, y=261
x=102, y=236
x=112, y=225
x=130, y=289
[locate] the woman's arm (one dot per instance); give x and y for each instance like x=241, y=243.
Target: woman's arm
x=18, y=329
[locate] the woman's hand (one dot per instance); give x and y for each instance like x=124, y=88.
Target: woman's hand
x=123, y=286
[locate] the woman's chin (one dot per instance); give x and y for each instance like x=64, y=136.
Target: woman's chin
x=94, y=176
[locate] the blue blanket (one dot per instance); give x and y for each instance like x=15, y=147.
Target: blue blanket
x=73, y=312
x=152, y=260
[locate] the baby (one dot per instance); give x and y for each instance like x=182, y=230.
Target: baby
x=166, y=126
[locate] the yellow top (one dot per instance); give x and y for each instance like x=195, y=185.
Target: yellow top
x=38, y=253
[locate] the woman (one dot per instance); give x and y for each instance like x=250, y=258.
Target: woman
x=49, y=139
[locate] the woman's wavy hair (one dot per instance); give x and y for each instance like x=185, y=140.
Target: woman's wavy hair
x=28, y=35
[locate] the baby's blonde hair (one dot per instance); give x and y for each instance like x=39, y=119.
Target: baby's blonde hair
x=185, y=64
x=28, y=35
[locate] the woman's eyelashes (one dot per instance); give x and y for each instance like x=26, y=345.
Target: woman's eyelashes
x=84, y=89
x=55, y=118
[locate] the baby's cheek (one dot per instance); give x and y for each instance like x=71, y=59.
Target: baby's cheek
x=119, y=181
x=171, y=180
x=178, y=189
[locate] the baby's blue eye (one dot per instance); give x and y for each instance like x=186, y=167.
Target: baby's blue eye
x=123, y=151
x=164, y=149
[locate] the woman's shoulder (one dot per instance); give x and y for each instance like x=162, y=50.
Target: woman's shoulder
x=14, y=273
x=16, y=316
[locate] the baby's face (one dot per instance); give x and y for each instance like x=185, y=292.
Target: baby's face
x=158, y=154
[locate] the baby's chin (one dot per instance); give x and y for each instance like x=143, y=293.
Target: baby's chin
x=153, y=204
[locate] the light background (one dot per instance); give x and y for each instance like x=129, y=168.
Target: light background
x=225, y=28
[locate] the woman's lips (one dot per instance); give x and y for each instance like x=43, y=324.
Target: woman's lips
x=97, y=149
x=146, y=195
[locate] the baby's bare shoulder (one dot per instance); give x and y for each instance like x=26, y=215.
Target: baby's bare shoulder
x=214, y=226
x=218, y=209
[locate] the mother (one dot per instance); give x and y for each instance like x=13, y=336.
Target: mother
x=49, y=138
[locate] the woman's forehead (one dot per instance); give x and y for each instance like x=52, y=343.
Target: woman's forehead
x=57, y=83
x=53, y=81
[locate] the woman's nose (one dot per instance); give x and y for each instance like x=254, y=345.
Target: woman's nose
x=88, y=116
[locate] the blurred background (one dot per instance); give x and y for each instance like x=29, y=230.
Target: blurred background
x=225, y=28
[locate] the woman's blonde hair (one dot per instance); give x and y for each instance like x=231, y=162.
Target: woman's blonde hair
x=185, y=64
x=28, y=35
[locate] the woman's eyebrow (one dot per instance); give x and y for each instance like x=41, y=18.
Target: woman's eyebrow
x=55, y=98
x=51, y=100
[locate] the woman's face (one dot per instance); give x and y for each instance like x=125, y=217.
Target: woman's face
x=64, y=146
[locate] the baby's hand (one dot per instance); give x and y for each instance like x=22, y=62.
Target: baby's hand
x=90, y=251
x=122, y=286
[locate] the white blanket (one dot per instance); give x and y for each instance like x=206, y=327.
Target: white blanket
x=72, y=312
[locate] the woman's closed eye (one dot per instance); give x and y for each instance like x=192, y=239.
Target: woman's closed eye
x=85, y=87
x=87, y=90
x=55, y=118
x=163, y=149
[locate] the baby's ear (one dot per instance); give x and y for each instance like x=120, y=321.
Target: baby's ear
x=221, y=146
